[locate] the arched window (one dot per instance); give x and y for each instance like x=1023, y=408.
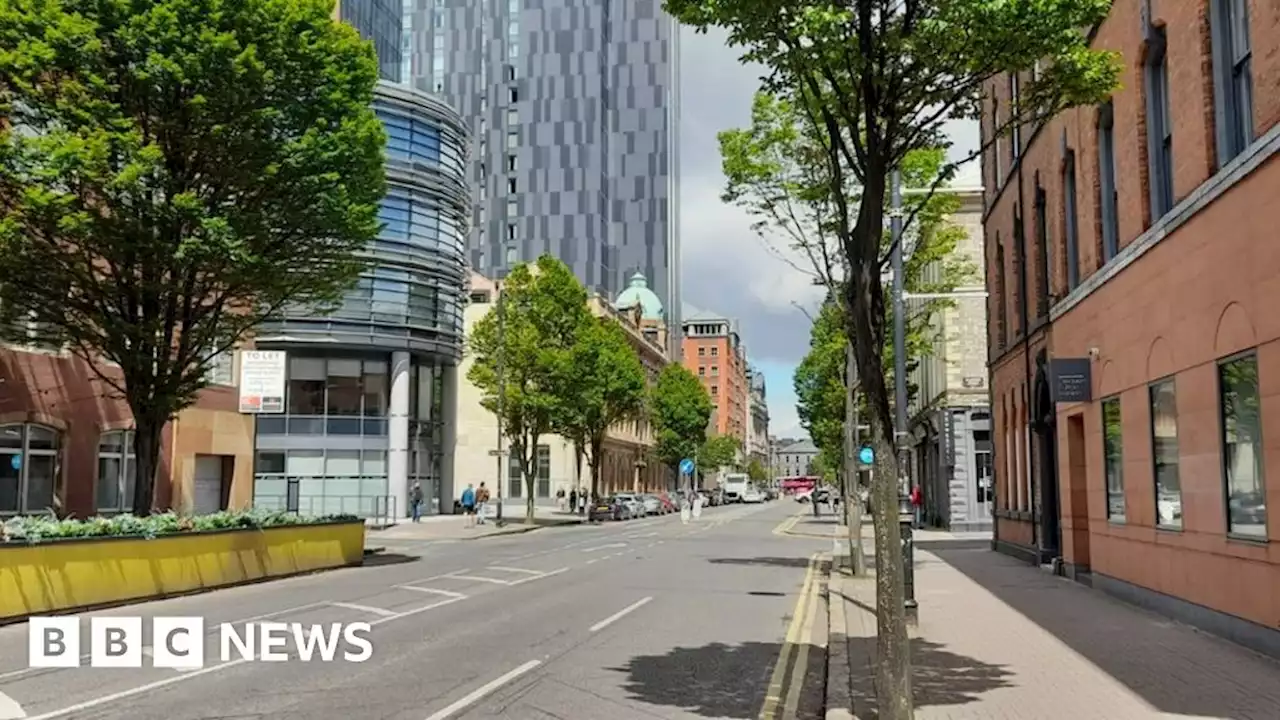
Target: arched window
x=28, y=469
x=117, y=472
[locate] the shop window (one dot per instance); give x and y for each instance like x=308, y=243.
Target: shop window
x=117, y=472
x=28, y=469
x=1242, y=474
x=1113, y=458
x=1164, y=453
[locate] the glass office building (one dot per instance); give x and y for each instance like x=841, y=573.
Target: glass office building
x=371, y=399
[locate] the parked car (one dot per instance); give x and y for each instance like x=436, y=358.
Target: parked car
x=633, y=503
x=608, y=509
x=671, y=504
x=752, y=495
x=652, y=505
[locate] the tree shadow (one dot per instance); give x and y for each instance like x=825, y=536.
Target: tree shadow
x=939, y=677
x=1174, y=668
x=380, y=559
x=787, y=562
x=721, y=681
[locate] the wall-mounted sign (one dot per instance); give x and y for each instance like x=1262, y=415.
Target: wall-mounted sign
x=973, y=381
x=1072, y=379
x=263, y=375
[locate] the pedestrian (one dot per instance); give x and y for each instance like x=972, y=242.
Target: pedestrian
x=415, y=501
x=482, y=503
x=697, y=505
x=582, y=503
x=560, y=499
x=573, y=501
x=917, y=504
x=686, y=508
x=469, y=504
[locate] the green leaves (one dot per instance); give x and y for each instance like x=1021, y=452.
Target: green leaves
x=175, y=172
x=680, y=409
x=718, y=451
x=606, y=384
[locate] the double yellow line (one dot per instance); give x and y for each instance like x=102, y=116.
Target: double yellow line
x=785, y=687
x=784, y=527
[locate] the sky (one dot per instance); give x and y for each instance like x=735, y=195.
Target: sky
x=728, y=269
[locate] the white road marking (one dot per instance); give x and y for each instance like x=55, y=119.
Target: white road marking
x=10, y=709
x=478, y=578
x=604, y=547
x=593, y=560
x=433, y=591
x=365, y=608
x=620, y=614
x=438, y=577
x=539, y=577
x=515, y=570
x=477, y=694
x=642, y=535
x=147, y=651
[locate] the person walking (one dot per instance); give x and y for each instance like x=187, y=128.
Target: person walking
x=482, y=503
x=469, y=505
x=415, y=501
x=573, y=501
x=697, y=505
x=917, y=504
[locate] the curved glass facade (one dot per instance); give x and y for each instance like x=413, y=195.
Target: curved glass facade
x=371, y=391
x=412, y=296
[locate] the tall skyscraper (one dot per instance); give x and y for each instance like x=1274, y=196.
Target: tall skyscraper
x=574, y=108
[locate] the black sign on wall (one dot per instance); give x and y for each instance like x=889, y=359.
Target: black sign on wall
x=1072, y=379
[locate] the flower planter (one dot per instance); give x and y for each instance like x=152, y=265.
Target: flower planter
x=57, y=576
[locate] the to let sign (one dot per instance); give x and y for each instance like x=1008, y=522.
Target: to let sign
x=1072, y=379
x=263, y=375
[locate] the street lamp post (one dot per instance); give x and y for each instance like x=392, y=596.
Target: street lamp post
x=502, y=394
x=905, y=516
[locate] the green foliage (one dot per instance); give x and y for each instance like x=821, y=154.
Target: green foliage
x=35, y=529
x=524, y=351
x=756, y=471
x=680, y=409
x=718, y=451
x=174, y=172
x=819, y=381
x=606, y=385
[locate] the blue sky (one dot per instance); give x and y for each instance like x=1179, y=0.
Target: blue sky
x=727, y=268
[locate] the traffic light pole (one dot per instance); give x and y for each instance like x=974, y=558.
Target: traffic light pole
x=906, y=516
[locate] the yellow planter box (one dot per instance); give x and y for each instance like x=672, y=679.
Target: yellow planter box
x=61, y=575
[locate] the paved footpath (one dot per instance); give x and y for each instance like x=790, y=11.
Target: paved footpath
x=998, y=639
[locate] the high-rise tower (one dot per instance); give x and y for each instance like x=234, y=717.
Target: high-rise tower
x=573, y=105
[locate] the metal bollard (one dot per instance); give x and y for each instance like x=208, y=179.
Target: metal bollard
x=906, y=519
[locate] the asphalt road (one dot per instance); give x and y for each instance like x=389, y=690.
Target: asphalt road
x=641, y=619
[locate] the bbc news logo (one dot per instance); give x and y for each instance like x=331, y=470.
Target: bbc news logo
x=179, y=642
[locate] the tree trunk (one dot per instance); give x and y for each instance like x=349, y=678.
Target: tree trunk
x=529, y=459
x=148, y=430
x=594, y=460
x=577, y=464
x=866, y=332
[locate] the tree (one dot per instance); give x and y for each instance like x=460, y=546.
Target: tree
x=173, y=173
x=679, y=408
x=756, y=471
x=607, y=386
x=544, y=309
x=718, y=451
x=876, y=81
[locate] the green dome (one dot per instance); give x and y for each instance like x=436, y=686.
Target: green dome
x=638, y=293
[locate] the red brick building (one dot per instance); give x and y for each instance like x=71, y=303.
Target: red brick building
x=1139, y=240
x=66, y=442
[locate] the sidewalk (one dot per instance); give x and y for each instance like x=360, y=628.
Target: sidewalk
x=454, y=527
x=1000, y=639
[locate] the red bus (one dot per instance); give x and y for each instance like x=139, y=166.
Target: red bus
x=801, y=483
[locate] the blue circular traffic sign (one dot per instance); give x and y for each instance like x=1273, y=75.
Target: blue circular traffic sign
x=686, y=466
x=866, y=456
x=15, y=462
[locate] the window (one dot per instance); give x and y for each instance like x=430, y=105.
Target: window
x=513, y=94
x=999, y=133
x=543, y=469
x=1164, y=453
x=715, y=351
x=374, y=385
x=1233, y=77
x=702, y=352
x=117, y=475
x=511, y=185
x=509, y=72
x=343, y=388
x=1042, y=251
x=306, y=386
x=28, y=469
x=1113, y=458
x=512, y=163
x=515, y=478
x=1109, y=205
x=715, y=390
x=715, y=371
x=1069, y=209
x=221, y=369
x=511, y=231
x=1242, y=447
x=1019, y=292
x=1015, y=111
x=1159, y=127
x=513, y=140
x=513, y=116
x=1000, y=300
x=702, y=371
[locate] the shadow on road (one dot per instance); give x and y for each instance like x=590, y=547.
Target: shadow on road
x=1177, y=670
x=788, y=562
x=380, y=559
x=720, y=681
x=939, y=677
